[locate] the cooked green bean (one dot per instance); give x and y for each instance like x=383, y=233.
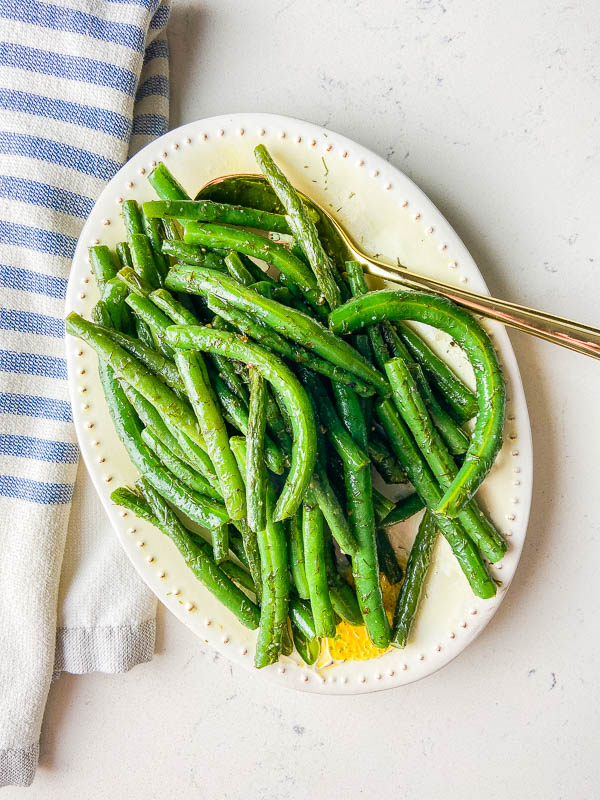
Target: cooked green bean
x=274, y=573
x=124, y=254
x=273, y=341
x=113, y=295
x=103, y=265
x=154, y=318
x=202, y=510
x=209, y=211
x=165, y=185
x=237, y=269
x=301, y=616
x=220, y=543
x=381, y=506
x=414, y=580
x=296, y=555
x=143, y=259
x=342, y=595
x=193, y=371
x=424, y=482
x=301, y=225
x=183, y=449
x=190, y=254
x=348, y=450
x=388, y=563
x=332, y=510
x=308, y=649
x=405, y=508
x=173, y=308
x=236, y=413
x=291, y=323
x=252, y=244
x=384, y=461
x=455, y=438
x=256, y=473
x=130, y=212
x=456, y=394
x=178, y=467
x=439, y=312
x=152, y=229
x=313, y=535
x=285, y=384
x=196, y=554
x=176, y=412
x=249, y=551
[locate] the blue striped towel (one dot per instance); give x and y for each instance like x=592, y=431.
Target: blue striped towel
x=82, y=82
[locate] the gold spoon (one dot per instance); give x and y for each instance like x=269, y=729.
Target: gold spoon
x=572, y=335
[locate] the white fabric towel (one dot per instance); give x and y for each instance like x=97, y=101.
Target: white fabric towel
x=81, y=82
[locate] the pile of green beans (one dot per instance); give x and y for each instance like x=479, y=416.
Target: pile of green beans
x=247, y=410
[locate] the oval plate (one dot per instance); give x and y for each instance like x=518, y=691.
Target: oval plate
x=391, y=217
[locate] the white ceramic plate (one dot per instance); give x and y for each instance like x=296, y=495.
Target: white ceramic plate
x=392, y=217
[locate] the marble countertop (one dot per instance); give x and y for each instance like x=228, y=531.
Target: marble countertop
x=493, y=110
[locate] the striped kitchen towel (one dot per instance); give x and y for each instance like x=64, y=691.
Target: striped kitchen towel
x=81, y=82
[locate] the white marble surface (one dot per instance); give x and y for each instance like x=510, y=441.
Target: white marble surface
x=492, y=108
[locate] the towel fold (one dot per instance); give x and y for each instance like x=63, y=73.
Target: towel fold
x=82, y=83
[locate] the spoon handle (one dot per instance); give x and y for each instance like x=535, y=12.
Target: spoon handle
x=572, y=335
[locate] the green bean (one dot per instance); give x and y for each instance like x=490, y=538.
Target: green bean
x=113, y=295
x=308, y=649
x=273, y=341
x=405, y=508
x=193, y=371
x=439, y=312
x=175, y=411
x=220, y=543
x=256, y=480
x=190, y=254
x=456, y=394
x=237, y=269
x=124, y=254
x=209, y=211
x=422, y=479
x=196, y=554
x=252, y=192
x=274, y=573
x=381, y=506
x=296, y=555
x=154, y=319
x=342, y=595
x=316, y=572
x=143, y=333
x=103, y=266
x=291, y=323
x=184, y=449
x=178, y=467
x=134, y=281
x=202, y=510
x=365, y=567
x=454, y=437
x=143, y=259
x=332, y=510
x=173, y=308
x=285, y=384
x=249, y=551
x=301, y=616
x=165, y=185
x=301, y=225
x=413, y=411
x=252, y=244
x=170, y=230
x=287, y=645
x=152, y=229
x=416, y=571
x=362, y=345
x=348, y=450
x=130, y=212
x=384, y=462
x=388, y=562
x=236, y=413
x=270, y=289
x=239, y=575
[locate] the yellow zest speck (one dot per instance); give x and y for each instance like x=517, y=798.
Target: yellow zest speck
x=353, y=644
